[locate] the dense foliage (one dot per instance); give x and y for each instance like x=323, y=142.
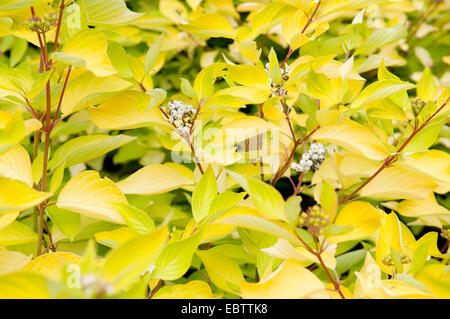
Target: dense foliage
x=224, y=149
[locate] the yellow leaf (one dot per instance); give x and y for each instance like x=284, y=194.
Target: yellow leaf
x=125, y=264
x=22, y=285
x=379, y=90
x=87, y=48
x=155, y=179
x=249, y=50
x=8, y=218
x=195, y=289
x=51, y=265
x=270, y=16
x=194, y=4
x=15, y=164
x=115, y=237
x=354, y=137
x=12, y=129
x=290, y=281
x=19, y=12
x=398, y=182
x=211, y=25
x=16, y=233
x=421, y=207
x=249, y=75
x=88, y=89
x=369, y=285
x=427, y=87
x=284, y=250
x=120, y=112
x=5, y=26
x=112, y=12
x=292, y=28
x=436, y=278
x=272, y=110
x=88, y=194
x=249, y=218
x=363, y=217
x=389, y=237
x=358, y=166
x=251, y=95
x=18, y=196
x=31, y=126
x=433, y=163
x=204, y=81
x=11, y=260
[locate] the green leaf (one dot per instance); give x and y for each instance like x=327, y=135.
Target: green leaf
x=427, y=88
x=158, y=97
x=292, y=209
x=187, y=89
x=153, y=53
x=20, y=4
x=67, y=221
x=204, y=194
x=110, y=12
x=135, y=218
x=36, y=168
x=427, y=136
x=260, y=224
x=204, y=81
x=17, y=51
x=412, y=282
x=16, y=233
x=400, y=98
x=225, y=200
x=348, y=260
x=176, y=258
x=396, y=257
x=381, y=37
x=380, y=90
x=57, y=178
x=328, y=200
x=306, y=104
x=318, y=85
x=274, y=67
x=86, y=148
x=420, y=257
x=334, y=230
x=119, y=59
x=125, y=264
x=222, y=271
x=267, y=200
x=5, y=26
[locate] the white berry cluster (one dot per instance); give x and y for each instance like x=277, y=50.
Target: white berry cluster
x=180, y=115
x=279, y=89
x=312, y=159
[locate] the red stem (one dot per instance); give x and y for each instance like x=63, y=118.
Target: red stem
x=311, y=18
x=391, y=158
x=60, y=99
x=58, y=26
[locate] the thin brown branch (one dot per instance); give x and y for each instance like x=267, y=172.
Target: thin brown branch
x=391, y=158
x=58, y=26
x=52, y=125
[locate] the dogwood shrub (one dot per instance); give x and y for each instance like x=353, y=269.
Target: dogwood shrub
x=224, y=149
